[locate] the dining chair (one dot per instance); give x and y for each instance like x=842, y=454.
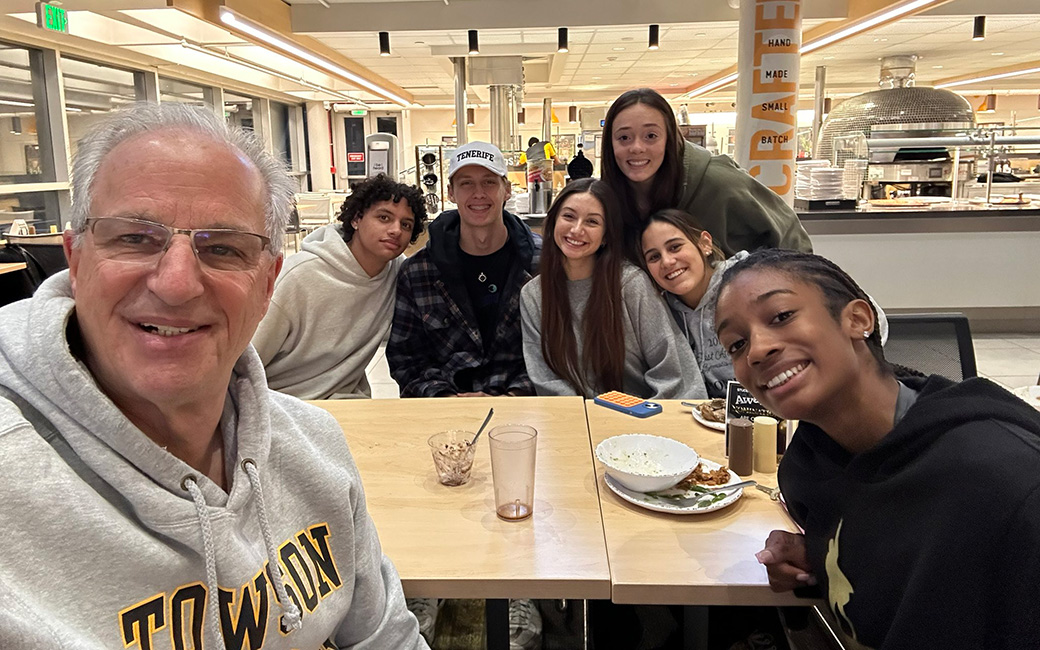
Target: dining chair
x=932, y=343
x=44, y=250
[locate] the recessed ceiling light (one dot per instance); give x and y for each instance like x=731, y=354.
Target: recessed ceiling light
x=694, y=74
x=937, y=67
x=997, y=53
x=597, y=77
x=618, y=49
x=673, y=84
x=420, y=43
x=604, y=65
x=626, y=38
x=699, y=35
x=828, y=58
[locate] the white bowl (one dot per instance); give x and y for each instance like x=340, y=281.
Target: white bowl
x=646, y=463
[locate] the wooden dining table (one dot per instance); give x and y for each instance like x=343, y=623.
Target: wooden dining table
x=582, y=542
x=686, y=559
x=447, y=542
x=11, y=267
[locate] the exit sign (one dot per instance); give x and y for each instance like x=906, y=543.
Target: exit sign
x=51, y=17
x=358, y=111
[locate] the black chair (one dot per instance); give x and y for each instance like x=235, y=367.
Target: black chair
x=935, y=344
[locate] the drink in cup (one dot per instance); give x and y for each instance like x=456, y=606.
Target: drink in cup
x=512, y=469
x=453, y=455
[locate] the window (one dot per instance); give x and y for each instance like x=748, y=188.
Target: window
x=91, y=90
x=175, y=90
x=238, y=109
x=280, y=132
x=20, y=113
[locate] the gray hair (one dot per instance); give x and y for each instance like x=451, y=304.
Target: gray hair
x=143, y=118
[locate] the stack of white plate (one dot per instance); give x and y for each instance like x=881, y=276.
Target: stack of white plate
x=817, y=180
x=521, y=203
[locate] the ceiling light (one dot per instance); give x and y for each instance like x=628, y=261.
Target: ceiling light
x=978, y=32
x=655, y=37
x=471, y=116
x=474, y=47
x=714, y=85
x=247, y=27
x=989, y=105
x=865, y=23
x=384, y=43
x=826, y=105
x=16, y=125
x=991, y=77
x=521, y=117
x=997, y=53
x=561, y=45
x=246, y=63
x=572, y=114
x=618, y=49
x=13, y=102
x=937, y=67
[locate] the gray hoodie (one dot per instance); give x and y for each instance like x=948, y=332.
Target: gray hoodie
x=105, y=548
x=698, y=325
x=326, y=320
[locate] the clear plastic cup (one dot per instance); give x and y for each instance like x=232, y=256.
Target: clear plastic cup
x=513, y=449
x=453, y=455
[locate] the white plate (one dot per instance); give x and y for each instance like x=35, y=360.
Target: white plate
x=1031, y=395
x=661, y=504
x=718, y=426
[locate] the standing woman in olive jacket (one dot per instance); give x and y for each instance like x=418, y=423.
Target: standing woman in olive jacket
x=651, y=168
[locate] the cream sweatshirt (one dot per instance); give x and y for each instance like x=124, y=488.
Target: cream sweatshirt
x=326, y=320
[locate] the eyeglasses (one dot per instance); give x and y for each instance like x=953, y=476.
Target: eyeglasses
x=136, y=241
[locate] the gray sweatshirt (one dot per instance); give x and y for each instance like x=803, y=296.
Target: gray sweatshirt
x=326, y=320
x=658, y=364
x=105, y=549
x=698, y=326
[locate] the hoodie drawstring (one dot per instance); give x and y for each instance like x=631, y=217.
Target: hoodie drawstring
x=291, y=612
x=190, y=484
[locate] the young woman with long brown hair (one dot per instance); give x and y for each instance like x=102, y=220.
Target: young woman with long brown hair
x=650, y=167
x=593, y=322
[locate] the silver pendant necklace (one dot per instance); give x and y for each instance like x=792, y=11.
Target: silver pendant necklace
x=492, y=288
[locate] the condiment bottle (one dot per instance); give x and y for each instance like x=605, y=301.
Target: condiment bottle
x=741, y=458
x=765, y=444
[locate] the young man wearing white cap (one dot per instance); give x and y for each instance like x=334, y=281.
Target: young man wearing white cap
x=456, y=329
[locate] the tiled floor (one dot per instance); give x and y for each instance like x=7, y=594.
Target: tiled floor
x=1011, y=360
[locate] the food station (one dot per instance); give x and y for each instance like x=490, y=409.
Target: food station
x=927, y=193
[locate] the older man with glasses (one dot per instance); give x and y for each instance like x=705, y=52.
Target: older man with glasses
x=156, y=493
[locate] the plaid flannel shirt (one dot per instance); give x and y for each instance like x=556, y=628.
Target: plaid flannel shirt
x=435, y=334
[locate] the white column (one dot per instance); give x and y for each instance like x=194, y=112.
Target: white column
x=767, y=91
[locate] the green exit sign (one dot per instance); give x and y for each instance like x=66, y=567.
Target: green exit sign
x=358, y=111
x=51, y=17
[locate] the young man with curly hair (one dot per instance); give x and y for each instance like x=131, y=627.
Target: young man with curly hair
x=334, y=300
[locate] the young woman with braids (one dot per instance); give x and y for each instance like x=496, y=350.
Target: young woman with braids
x=919, y=497
x=650, y=167
x=592, y=322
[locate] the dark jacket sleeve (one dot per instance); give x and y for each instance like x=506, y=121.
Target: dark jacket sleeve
x=415, y=370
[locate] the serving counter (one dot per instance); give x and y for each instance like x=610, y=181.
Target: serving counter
x=984, y=262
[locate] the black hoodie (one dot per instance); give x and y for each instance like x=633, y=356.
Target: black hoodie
x=931, y=539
